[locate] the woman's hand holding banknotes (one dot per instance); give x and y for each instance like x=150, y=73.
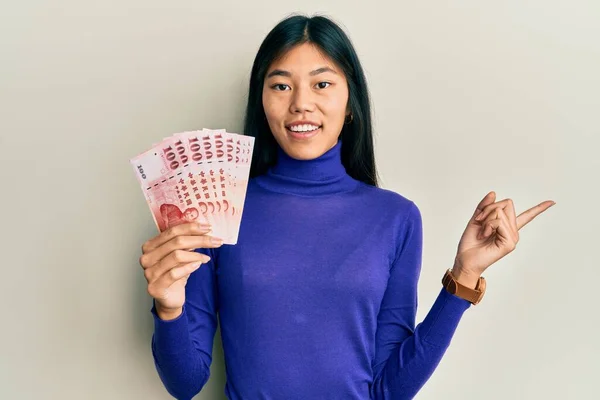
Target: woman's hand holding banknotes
x=168, y=259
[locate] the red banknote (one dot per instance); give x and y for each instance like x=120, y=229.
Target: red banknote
x=197, y=176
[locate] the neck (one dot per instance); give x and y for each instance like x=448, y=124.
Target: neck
x=319, y=176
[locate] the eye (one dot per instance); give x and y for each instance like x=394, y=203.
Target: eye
x=329, y=83
x=276, y=85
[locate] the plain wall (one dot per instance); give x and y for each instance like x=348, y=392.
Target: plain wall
x=468, y=97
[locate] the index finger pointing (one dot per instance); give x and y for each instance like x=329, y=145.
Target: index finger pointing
x=527, y=216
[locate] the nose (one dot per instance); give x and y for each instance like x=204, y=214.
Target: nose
x=302, y=100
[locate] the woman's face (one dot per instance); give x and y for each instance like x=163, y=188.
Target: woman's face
x=305, y=85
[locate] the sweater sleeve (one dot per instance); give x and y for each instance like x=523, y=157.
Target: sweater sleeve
x=406, y=356
x=182, y=347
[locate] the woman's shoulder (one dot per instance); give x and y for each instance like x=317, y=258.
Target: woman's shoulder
x=388, y=198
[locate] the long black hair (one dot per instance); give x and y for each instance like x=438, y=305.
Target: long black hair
x=357, y=154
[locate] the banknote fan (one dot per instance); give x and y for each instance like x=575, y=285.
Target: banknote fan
x=197, y=176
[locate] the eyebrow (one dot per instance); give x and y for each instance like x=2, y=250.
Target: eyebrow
x=281, y=72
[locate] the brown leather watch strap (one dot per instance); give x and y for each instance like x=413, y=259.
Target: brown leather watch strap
x=462, y=291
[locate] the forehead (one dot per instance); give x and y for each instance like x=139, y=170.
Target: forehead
x=303, y=58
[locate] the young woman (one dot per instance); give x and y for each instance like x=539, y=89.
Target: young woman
x=318, y=298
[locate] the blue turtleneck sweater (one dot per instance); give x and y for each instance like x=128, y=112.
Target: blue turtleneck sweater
x=318, y=298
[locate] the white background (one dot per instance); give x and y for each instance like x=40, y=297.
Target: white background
x=468, y=97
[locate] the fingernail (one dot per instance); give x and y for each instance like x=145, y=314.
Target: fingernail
x=216, y=241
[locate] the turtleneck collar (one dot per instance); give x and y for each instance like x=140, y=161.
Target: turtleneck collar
x=319, y=176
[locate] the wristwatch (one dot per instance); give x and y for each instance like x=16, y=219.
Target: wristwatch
x=462, y=291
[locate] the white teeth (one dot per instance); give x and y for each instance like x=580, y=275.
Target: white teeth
x=303, y=128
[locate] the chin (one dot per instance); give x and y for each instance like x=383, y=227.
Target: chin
x=305, y=151
x=306, y=154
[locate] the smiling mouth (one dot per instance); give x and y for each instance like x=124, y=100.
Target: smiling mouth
x=304, y=132
x=302, y=135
